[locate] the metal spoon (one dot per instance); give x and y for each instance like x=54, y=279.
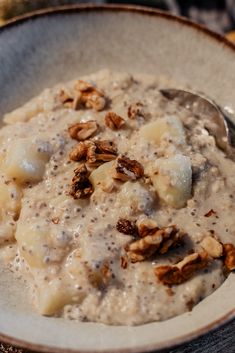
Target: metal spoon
x=217, y=122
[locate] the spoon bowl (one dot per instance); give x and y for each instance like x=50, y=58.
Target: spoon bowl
x=215, y=119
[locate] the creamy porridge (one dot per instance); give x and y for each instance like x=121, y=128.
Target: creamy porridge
x=116, y=204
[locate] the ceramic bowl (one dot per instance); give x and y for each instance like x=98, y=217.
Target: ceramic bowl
x=48, y=47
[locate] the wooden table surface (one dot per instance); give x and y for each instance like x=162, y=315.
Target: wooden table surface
x=220, y=341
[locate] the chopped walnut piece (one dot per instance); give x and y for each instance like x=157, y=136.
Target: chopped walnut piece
x=90, y=96
x=159, y=241
x=151, y=239
x=81, y=186
x=212, y=246
x=84, y=86
x=128, y=169
x=147, y=227
x=135, y=110
x=127, y=227
x=55, y=220
x=79, y=152
x=229, y=256
x=96, y=102
x=77, y=101
x=210, y=213
x=94, y=152
x=124, y=262
x=65, y=99
x=114, y=121
x=182, y=271
x=82, y=131
x=99, y=152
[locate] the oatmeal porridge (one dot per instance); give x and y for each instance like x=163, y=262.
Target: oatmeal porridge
x=116, y=204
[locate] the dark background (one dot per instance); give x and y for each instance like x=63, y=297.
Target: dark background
x=219, y=15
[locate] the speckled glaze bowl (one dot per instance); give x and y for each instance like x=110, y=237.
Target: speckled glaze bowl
x=48, y=47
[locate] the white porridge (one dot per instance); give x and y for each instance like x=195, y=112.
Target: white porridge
x=116, y=204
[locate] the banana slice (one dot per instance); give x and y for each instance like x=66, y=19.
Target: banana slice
x=34, y=245
x=173, y=180
x=101, y=177
x=164, y=128
x=52, y=297
x=25, y=161
x=135, y=198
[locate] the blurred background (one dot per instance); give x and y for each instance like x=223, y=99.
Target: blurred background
x=218, y=15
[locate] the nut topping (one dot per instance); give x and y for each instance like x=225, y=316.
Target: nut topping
x=128, y=169
x=210, y=213
x=114, y=121
x=229, y=256
x=82, y=131
x=99, y=152
x=159, y=240
x=89, y=96
x=77, y=101
x=127, y=227
x=151, y=238
x=81, y=186
x=65, y=99
x=135, y=110
x=212, y=246
x=94, y=152
x=55, y=220
x=84, y=86
x=124, y=262
x=85, y=95
x=147, y=227
x=183, y=270
x=79, y=152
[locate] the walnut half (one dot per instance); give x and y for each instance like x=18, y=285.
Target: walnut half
x=84, y=95
x=81, y=186
x=183, y=270
x=82, y=131
x=100, y=152
x=156, y=241
x=128, y=169
x=90, y=96
x=94, y=152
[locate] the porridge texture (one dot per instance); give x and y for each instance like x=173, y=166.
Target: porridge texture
x=116, y=204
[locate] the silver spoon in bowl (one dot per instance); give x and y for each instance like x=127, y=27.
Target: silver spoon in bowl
x=216, y=121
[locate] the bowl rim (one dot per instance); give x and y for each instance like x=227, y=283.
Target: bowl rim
x=146, y=11
x=91, y=7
